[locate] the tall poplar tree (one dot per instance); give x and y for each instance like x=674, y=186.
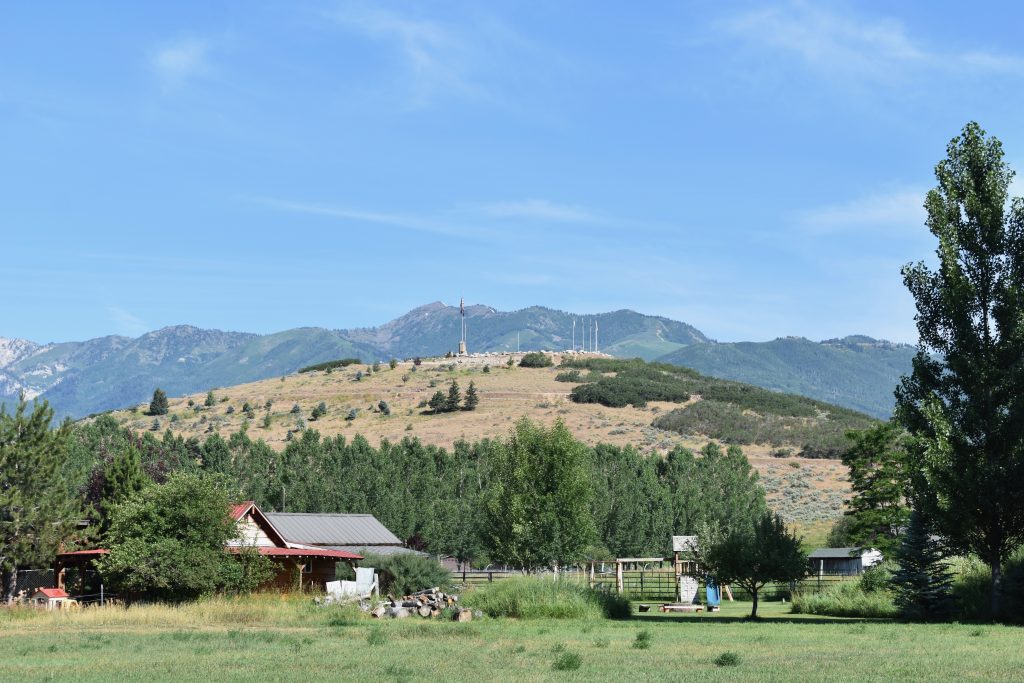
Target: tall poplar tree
x=964, y=401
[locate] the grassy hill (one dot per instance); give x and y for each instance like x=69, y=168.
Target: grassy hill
x=857, y=372
x=79, y=378
x=802, y=489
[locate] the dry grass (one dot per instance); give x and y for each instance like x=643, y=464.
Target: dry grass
x=505, y=396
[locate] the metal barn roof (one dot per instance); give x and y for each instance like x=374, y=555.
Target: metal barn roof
x=836, y=553
x=342, y=531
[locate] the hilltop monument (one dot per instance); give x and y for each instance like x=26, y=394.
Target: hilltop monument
x=462, y=340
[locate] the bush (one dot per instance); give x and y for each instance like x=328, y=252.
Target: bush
x=569, y=376
x=536, y=359
x=392, y=363
x=727, y=659
x=407, y=573
x=846, y=599
x=330, y=365
x=567, y=660
x=531, y=597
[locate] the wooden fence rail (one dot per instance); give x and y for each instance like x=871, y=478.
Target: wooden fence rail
x=654, y=584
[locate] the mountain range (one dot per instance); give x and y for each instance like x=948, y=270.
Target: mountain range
x=80, y=378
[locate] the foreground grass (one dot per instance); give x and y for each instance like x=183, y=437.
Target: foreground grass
x=289, y=639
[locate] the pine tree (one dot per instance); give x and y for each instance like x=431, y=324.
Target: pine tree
x=37, y=509
x=923, y=582
x=451, y=403
x=437, y=402
x=122, y=478
x=211, y=400
x=158, y=406
x=472, y=398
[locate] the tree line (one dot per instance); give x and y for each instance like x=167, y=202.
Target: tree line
x=537, y=498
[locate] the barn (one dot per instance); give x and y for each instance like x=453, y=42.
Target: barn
x=843, y=561
x=299, y=565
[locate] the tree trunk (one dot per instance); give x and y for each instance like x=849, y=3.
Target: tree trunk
x=10, y=581
x=753, y=610
x=997, y=589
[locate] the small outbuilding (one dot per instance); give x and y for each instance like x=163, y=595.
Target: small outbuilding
x=51, y=598
x=843, y=561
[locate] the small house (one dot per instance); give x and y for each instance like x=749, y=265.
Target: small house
x=299, y=564
x=51, y=598
x=843, y=561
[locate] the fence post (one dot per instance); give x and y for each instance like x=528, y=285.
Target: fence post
x=618, y=577
x=490, y=577
x=101, y=595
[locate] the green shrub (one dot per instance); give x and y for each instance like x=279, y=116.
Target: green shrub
x=569, y=376
x=727, y=659
x=531, y=597
x=846, y=599
x=536, y=359
x=642, y=640
x=567, y=660
x=330, y=365
x=407, y=573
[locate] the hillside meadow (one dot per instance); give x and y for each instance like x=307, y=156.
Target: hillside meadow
x=289, y=638
x=809, y=491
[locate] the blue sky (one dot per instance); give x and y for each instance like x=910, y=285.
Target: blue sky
x=755, y=169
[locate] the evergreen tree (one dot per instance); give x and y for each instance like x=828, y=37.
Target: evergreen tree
x=964, y=401
x=437, y=402
x=37, y=507
x=122, y=478
x=451, y=403
x=923, y=582
x=472, y=399
x=158, y=406
x=392, y=363
x=211, y=400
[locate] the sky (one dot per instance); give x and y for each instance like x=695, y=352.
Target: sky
x=754, y=169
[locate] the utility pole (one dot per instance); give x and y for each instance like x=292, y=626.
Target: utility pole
x=574, y=335
x=595, y=335
x=517, y=342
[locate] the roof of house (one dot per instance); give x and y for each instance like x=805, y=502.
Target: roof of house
x=376, y=549
x=238, y=510
x=837, y=553
x=84, y=553
x=272, y=551
x=346, y=530
x=53, y=592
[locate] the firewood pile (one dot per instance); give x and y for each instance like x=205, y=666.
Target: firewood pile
x=428, y=604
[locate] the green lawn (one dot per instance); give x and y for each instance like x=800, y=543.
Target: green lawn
x=271, y=639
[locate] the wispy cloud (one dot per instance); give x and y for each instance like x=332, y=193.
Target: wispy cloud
x=537, y=209
x=177, y=63
x=849, y=45
x=437, y=59
x=396, y=220
x=902, y=208
x=125, y=322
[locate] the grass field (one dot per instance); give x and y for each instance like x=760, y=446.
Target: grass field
x=269, y=638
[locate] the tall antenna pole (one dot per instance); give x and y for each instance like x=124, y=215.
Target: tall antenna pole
x=574, y=335
x=595, y=335
x=462, y=339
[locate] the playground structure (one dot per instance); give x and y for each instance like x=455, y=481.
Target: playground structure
x=684, y=572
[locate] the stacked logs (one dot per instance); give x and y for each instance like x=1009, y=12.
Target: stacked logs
x=426, y=603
